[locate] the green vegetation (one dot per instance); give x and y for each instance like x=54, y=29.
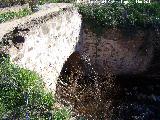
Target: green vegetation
x=55, y=1
x=31, y=2
x=62, y=114
x=121, y=15
x=13, y=15
x=41, y=2
x=23, y=95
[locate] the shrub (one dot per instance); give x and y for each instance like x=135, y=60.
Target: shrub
x=23, y=95
x=121, y=15
x=62, y=114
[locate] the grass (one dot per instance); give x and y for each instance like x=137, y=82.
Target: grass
x=23, y=95
x=14, y=15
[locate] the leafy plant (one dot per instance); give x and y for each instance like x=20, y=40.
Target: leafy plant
x=23, y=95
x=62, y=114
x=121, y=15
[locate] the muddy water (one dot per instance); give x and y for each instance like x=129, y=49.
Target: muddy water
x=108, y=97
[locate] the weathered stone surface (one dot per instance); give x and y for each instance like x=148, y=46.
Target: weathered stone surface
x=45, y=47
x=122, y=53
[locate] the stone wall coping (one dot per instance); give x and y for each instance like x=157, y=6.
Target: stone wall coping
x=32, y=20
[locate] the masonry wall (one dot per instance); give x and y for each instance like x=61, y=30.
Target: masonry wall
x=43, y=44
x=117, y=50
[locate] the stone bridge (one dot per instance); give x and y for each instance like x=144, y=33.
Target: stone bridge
x=43, y=41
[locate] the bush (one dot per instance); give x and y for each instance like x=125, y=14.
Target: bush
x=22, y=94
x=121, y=15
x=62, y=114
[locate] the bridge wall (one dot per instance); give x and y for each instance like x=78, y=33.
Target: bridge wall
x=43, y=42
x=118, y=50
